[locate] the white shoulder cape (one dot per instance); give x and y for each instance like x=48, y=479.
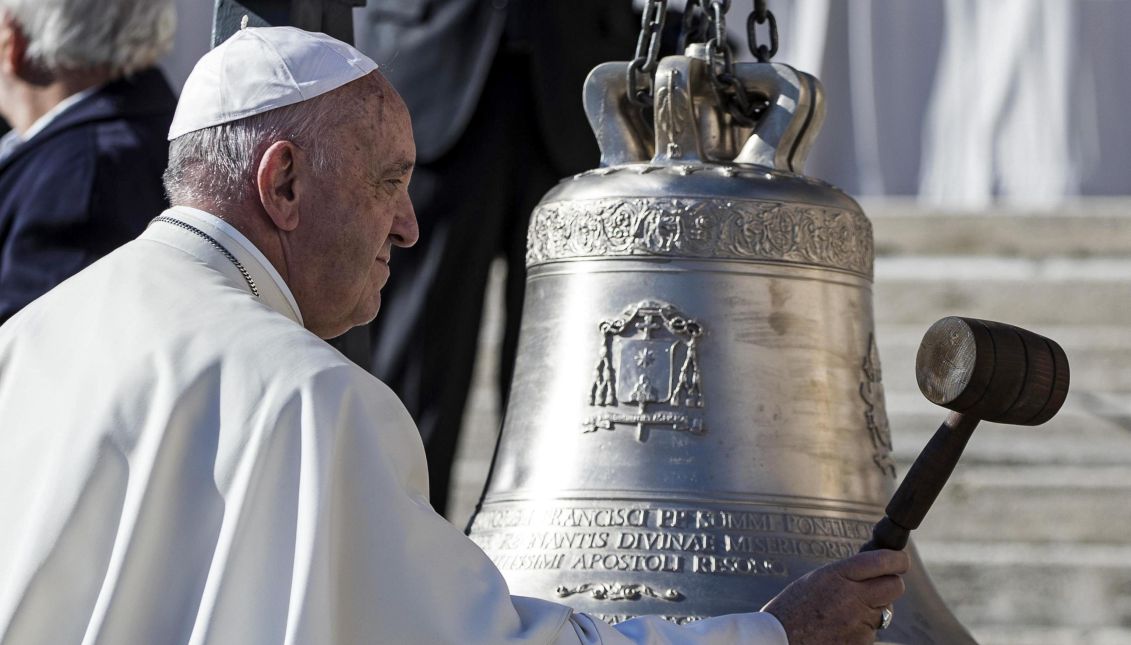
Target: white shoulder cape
x=183, y=462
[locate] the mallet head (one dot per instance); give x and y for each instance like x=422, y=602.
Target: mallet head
x=992, y=371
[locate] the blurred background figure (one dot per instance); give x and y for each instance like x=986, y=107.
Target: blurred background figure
x=80, y=169
x=494, y=90
x=966, y=104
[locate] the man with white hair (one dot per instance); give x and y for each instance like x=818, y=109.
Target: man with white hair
x=183, y=458
x=80, y=170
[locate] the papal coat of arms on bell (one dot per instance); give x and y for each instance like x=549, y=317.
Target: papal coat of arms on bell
x=648, y=359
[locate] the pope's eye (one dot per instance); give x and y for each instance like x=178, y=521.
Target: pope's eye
x=386, y=186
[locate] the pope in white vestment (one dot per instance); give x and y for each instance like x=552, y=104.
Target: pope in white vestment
x=182, y=462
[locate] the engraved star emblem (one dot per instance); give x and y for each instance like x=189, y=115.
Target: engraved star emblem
x=644, y=358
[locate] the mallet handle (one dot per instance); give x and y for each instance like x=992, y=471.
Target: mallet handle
x=923, y=483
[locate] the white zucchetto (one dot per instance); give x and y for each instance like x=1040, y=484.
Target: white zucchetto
x=260, y=69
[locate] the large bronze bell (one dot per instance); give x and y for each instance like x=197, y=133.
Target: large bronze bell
x=697, y=415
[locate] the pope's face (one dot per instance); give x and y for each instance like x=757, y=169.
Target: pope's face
x=362, y=211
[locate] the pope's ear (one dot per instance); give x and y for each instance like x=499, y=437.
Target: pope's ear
x=14, y=46
x=280, y=181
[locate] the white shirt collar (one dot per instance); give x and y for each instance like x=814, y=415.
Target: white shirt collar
x=11, y=139
x=274, y=292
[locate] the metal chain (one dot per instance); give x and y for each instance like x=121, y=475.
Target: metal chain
x=718, y=41
x=743, y=107
x=695, y=23
x=212, y=241
x=647, y=53
x=703, y=20
x=760, y=16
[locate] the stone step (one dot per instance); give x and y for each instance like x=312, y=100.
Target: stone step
x=1032, y=504
x=1025, y=635
x=1088, y=228
x=1072, y=438
x=1021, y=291
x=1064, y=586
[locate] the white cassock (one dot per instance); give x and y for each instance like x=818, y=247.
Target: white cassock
x=182, y=462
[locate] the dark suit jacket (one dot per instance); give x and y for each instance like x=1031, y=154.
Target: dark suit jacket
x=86, y=184
x=437, y=53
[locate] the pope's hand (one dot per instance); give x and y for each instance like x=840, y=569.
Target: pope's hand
x=841, y=602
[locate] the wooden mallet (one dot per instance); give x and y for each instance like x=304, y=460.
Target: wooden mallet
x=981, y=370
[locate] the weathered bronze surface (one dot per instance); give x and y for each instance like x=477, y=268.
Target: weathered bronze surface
x=697, y=414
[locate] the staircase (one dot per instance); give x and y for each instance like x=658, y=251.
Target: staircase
x=1030, y=543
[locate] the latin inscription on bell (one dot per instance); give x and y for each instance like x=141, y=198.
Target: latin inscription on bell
x=715, y=541
x=648, y=360
x=625, y=554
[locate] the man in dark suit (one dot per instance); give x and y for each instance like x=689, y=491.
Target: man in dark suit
x=80, y=171
x=494, y=90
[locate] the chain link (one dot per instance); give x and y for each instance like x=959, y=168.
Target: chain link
x=743, y=108
x=761, y=16
x=760, y=11
x=647, y=52
x=718, y=42
x=212, y=241
x=695, y=24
